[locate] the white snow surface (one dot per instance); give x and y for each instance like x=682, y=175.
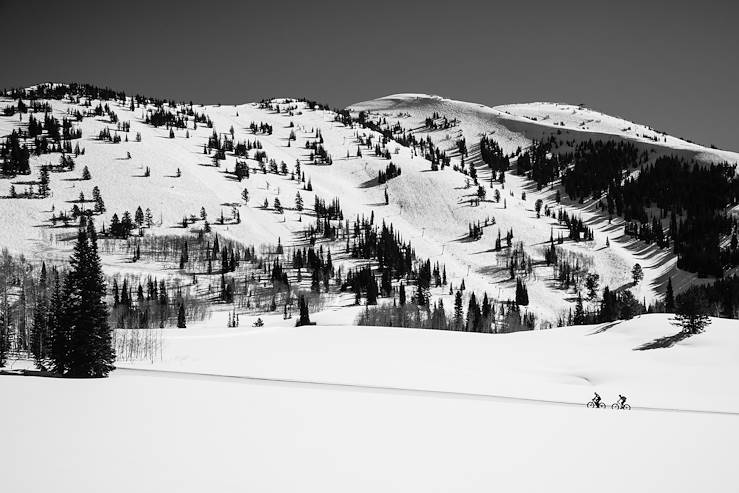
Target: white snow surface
x=514, y=125
x=191, y=430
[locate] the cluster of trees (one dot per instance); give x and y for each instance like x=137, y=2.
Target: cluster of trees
x=261, y=127
x=15, y=156
x=71, y=335
x=719, y=299
x=481, y=317
x=391, y=171
x=424, y=147
x=693, y=197
x=145, y=306
x=241, y=149
x=492, y=155
x=475, y=230
x=439, y=122
x=331, y=211
x=578, y=230
x=106, y=136
x=54, y=130
x=123, y=226
x=599, y=166
x=540, y=164
x=160, y=116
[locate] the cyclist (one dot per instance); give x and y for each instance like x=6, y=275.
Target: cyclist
x=596, y=400
x=621, y=401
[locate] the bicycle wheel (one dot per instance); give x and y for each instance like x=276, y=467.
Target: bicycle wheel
x=627, y=407
x=614, y=406
x=590, y=404
x=602, y=405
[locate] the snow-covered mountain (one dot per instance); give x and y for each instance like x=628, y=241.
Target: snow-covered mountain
x=430, y=209
x=267, y=406
x=517, y=125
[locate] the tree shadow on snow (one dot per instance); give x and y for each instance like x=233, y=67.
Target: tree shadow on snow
x=665, y=342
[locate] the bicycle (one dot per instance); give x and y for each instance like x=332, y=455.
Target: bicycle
x=617, y=405
x=593, y=405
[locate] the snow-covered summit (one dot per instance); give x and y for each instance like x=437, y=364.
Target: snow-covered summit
x=519, y=124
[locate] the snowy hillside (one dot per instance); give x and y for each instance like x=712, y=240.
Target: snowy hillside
x=564, y=365
x=244, y=209
x=432, y=210
x=515, y=125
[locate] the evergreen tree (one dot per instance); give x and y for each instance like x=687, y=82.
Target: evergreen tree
x=579, y=317
x=40, y=337
x=181, y=321
x=522, y=294
x=56, y=323
x=473, y=315
x=591, y=284
x=637, y=273
x=692, y=309
x=669, y=297
x=458, y=309
x=304, y=318
x=372, y=290
x=298, y=202
x=139, y=217
x=85, y=313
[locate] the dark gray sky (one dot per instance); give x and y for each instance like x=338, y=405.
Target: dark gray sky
x=673, y=65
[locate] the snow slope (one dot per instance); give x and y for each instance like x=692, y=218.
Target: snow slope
x=515, y=125
x=564, y=364
x=431, y=210
x=179, y=431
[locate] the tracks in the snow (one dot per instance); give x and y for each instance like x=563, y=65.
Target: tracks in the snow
x=407, y=391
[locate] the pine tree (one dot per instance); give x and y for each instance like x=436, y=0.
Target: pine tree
x=522, y=295
x=44, y=182
x=458, y=309
x=669, y=298
x=591, y=284
x=372, y=290
x=85, y=313
x=298, y=202
x=473, y=315
x=40, y=338
x=637, y=273
x=691, y=311
x=86, y=174
x=139, y=217
x=181, y=321
x=59, y=334
x=304, y=318
x=579, y=317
